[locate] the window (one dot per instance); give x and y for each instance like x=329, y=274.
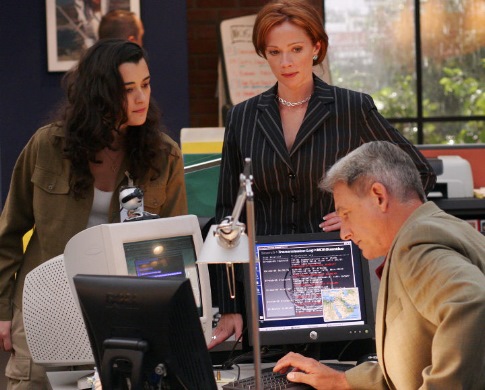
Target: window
x=426, y=78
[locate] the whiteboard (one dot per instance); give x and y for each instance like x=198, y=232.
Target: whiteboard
x=245, y=73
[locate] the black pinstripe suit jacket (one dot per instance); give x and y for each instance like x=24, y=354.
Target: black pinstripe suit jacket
x=286, y=194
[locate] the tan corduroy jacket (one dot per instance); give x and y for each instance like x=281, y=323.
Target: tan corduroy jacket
x=39, y=198
x=431, y=308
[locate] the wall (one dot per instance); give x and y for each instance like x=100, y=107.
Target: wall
x=203, y=18
x=30, y=92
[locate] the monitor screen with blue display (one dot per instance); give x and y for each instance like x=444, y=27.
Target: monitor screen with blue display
x=159, y=258
x=312, y=288
x=155, y=248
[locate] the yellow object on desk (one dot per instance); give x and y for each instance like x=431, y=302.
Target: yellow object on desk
x=479, y=193
x=223, y=377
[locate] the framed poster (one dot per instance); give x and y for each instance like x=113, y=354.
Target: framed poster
x=72, y=27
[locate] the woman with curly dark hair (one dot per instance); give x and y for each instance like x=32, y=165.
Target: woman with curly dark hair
x=69, y=175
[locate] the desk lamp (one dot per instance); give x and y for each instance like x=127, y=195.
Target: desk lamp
x=227, y=243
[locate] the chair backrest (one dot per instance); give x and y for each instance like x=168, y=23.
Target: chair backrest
x=54, y=326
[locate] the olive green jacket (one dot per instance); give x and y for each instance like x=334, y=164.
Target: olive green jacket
x=40, y=198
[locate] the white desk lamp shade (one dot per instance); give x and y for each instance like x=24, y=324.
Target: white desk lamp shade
x=214, y=253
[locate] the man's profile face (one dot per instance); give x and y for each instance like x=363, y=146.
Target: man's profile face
x=362, y=220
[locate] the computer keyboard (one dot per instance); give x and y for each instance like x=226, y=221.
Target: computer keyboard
x=271, y=380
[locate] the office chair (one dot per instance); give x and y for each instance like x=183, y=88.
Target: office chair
x=54, y=327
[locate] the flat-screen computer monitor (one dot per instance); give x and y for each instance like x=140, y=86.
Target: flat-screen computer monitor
x=145, y=333
x=311, y=288
x=155, y=248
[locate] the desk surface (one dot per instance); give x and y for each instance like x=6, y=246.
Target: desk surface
x=67, y=380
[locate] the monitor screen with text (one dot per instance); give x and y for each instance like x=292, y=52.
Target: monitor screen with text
x=312, y=288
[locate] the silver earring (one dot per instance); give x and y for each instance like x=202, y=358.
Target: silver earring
x=315, y=57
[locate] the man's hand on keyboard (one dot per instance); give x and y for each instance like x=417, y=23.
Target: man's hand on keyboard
x=306, y=370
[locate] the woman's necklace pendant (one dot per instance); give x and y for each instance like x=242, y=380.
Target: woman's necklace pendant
x=114, y=162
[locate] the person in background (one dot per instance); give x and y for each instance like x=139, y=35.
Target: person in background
x=69, y=175
x=431, y=303
x=293, y=133
x=121, y=24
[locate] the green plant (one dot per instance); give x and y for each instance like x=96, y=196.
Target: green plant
x=460, y=95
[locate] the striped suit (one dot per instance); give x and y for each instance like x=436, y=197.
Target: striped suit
x=286, y=194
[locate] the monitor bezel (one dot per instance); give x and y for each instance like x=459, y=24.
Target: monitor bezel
x=323, y=334
x=87, y=252
x=136, y=322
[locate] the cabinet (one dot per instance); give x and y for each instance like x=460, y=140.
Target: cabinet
x=469, y=209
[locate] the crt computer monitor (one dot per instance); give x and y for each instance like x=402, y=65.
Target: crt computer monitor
x=311, y=288
x=155, y=248
x=145, y=333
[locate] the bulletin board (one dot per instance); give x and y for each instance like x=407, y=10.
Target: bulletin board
x=245, y=74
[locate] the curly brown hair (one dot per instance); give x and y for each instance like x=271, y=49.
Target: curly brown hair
x=95, y=108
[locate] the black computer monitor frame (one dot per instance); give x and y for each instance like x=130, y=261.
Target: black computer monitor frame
x=319, y=334
x=145, y=329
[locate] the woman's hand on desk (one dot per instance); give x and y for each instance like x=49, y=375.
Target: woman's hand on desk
x=228, y=325
x=330, y=222
x=311, y=372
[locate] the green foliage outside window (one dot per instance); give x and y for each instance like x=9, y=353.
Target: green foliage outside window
x=458, y=95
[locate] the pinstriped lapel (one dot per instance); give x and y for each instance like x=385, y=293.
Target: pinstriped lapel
x=269, y=120
x=318, y=110
x=269, y=123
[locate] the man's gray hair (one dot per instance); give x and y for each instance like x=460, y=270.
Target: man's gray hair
x=377, y=161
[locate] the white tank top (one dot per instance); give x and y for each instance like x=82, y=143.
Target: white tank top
x=100, y=210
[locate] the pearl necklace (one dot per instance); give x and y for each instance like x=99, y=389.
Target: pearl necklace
x=291, y=104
